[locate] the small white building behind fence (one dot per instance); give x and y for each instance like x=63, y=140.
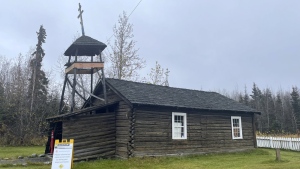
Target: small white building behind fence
x=279, y=142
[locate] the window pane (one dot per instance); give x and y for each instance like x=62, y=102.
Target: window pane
x=236, y=123
x=236, y=132
x=177, y=132
x=179, y=121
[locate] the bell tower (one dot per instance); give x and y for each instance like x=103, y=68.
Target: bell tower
x=84, y=46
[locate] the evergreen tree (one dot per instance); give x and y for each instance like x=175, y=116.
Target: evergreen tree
x=255, y=103
x=267, y=104
x=296, y=106
x=256, y=97
x=38, y=83
x=280, y=121
x=241, y=98
x=246, y=97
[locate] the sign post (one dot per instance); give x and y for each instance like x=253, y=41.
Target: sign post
x=63, y=154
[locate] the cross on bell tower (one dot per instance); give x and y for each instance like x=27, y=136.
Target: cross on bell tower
x=81, y=21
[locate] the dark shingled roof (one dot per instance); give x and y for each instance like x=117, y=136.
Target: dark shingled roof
x=149, y=94
x=86, y=46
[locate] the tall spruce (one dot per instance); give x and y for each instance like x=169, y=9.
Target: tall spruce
x=255, y=103
x=256, y=96
x=296, y=106
x=38, y=83
x=280, y=119
x=246, y=97
x=267, y=106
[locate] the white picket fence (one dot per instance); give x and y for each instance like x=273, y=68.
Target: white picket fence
x=279, y=142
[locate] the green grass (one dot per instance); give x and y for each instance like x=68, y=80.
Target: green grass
x=255, y=159
x=14, y=152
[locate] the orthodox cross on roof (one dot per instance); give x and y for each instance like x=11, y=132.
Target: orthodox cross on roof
x=81, y=21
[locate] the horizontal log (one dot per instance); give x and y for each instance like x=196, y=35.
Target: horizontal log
x=121, y=148
x=120, y=123
x=123, y=129
x=98, y=120
x=99, y=135
x=154, y=139
x=122, y=155
x=90, y=149
x=99, y=131
x=200, y=151
x=123, y=139
x=101, y=144
x=94, y=152
x=122, y=132
x=148, y=129
x=89, y=124
x=93, y=141
x=106, y=155
x=187, y=145
x=92, y=116
x=82, y=130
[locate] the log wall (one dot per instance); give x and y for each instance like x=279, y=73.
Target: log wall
x=123, y=115
x=122, y=122
x=101, y=135
x=206, y=132
x=94, y=135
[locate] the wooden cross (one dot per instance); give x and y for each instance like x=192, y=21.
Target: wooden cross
x=81, y=21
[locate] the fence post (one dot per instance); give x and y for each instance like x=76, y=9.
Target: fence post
x=290, y=144
x=271, y=142
x=278, y=157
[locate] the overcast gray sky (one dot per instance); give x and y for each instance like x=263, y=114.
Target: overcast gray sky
x=206, y=44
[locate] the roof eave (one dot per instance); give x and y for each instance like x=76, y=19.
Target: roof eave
x=194, y=108
x=81, y=111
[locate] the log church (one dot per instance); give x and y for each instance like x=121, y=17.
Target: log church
x=123, y=119
x=149, y=120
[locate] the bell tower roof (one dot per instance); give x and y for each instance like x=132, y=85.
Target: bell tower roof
x=86, y=46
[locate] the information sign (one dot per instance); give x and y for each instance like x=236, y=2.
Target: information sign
x=63, y=154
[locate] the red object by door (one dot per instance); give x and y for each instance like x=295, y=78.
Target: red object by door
x=52, y=142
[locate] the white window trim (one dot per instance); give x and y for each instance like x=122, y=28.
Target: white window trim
x=240, y=127
x=185, y=125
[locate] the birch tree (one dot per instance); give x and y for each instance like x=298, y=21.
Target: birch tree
x=124, y=60
x=159, y=75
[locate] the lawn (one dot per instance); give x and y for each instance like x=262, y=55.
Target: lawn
x=256, y=159
x=14, y=152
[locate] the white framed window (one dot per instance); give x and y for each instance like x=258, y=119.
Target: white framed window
x=236, y=127
x=179, y=130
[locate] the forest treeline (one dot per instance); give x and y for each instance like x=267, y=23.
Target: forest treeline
x=22, y=119
x=280, y=111
x=21, y=122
